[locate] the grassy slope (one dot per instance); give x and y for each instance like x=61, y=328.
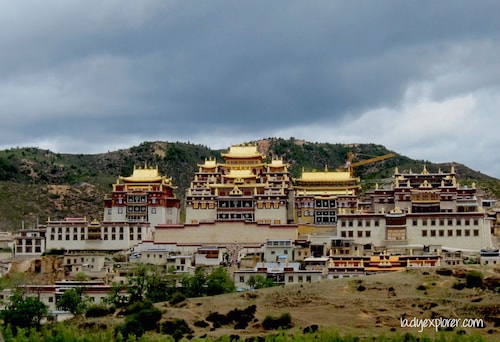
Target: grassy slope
x=339, y=305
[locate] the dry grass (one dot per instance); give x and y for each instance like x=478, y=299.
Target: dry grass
x=338, y=304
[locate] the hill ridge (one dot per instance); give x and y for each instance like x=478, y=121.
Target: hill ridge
x=37, y=183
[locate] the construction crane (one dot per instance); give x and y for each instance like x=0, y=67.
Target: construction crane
x=349, y=165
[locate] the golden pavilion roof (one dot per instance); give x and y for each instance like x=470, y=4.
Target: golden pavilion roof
x=326, y=176
x=242, y=151
x=278, y=163
x=209, y=163
x=245, y=173
x=145, y=175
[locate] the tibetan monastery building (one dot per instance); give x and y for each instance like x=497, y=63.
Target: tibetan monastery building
x=242, y=188
x=145, y=196
x=318, y=197
x=242, y=199
x=419, y=209
x=135, y=206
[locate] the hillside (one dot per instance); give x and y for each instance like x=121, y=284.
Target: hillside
x=364, y=307
x=36, y=184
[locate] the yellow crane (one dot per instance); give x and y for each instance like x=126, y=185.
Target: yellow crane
x=349, y=165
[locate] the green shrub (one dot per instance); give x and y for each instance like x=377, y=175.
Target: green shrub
x=474, y=279
x=138, y=306
x=140, y=322
x=98, y=311
x=176, y=328
x=177, y=298
x=282, y=322
x=361, y=288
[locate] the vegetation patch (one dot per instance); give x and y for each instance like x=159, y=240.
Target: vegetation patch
x=241, y=318
x=176, y=328
x=473, y=279
x=274, y=323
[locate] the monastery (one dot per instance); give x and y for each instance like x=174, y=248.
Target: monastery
x=242, y=200
x=419, y=209
x=244, y=206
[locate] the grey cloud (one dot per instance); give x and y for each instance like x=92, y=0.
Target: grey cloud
x=184, y=68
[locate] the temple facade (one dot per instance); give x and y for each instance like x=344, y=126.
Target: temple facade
x=136, y=205
x=320, y=195
x=242, y=188
x=145, y=196
x=419, y=209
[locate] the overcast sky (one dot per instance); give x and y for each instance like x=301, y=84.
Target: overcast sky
x=419, y=77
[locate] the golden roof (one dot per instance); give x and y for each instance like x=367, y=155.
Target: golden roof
x=240, y=174
x=145, y=175
x=242, y=151
x=326, y=176
x=209, y=163
x=277, y=163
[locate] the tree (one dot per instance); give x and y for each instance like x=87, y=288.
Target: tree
x=259, y=281
x=219, y=282
x=24, y=312
x=115, y=297
x=137, y=284
x=72, y=301
x=194, y=286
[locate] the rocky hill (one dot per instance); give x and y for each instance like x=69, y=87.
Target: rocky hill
x=36, y=184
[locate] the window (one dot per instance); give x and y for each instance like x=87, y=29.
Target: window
x=433, y=233
x=476, y=232
x=290, y=279
x=300, y=279
x=424, y=233
x=367, y=233
x=450, y=232
x=441, y=232
x=242, y=279
x=467, y=232
x=459, y=232
x=360, y=233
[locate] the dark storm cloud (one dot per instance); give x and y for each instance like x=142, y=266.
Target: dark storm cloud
x=97, y=75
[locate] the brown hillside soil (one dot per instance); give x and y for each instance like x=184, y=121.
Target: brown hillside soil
x=364, y=307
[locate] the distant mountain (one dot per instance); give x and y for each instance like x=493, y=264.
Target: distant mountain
x=36, y=184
